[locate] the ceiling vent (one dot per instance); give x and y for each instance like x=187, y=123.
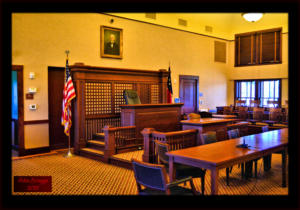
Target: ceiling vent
x=182, y=22
x=208, y=29
x=151, y=15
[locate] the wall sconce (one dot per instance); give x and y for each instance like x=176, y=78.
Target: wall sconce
x=252, y=17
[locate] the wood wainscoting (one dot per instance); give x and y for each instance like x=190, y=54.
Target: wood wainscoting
x=99, y=94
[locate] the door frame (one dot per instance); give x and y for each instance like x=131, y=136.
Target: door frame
x=21, y=145
x=56, y=68
x=191, y=77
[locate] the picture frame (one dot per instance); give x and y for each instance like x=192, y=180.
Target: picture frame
x=111, y=42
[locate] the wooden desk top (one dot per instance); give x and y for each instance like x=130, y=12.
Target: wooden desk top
x=225, y=116
x=224, y=152
x=206, y=121
x=150, y=105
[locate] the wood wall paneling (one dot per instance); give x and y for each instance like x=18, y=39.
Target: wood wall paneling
x=100, y=93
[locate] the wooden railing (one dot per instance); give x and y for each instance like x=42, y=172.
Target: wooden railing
x=95, y=124
x=117, y=138
x=175, y=139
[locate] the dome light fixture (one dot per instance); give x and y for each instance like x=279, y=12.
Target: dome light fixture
x=252, y=17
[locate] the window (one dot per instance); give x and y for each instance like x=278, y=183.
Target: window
x=267, y=91
x=259, y=47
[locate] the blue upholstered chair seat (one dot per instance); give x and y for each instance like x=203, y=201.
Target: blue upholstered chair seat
x=175, y=190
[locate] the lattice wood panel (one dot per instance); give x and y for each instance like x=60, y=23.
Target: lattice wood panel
x=98, y=98
x=154, y=94
x=118, y=94
x=145, y=93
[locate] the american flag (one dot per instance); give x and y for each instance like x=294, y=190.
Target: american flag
x=170, y=91
x=68, y=95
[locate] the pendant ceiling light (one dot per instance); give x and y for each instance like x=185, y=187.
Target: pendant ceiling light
x=252, y=17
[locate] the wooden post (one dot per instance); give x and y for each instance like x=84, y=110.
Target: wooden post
x=110, y=145
x=148, y=145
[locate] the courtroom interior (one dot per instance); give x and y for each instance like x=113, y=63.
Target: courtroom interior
x=160, y=103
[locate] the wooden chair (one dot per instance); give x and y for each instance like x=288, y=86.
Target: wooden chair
x=258, y=116
x=228, y=110
x=209, y=138
x=182, y=171
x=275, y=118
x=243, y=113
x=273, y=103
x=193, y=116
x=234, y=133
x=239, y=103
x=152, y=179
x=254, y=103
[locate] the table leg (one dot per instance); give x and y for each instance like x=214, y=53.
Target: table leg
x=283, y=168
x=214, y=181
x=171, y=168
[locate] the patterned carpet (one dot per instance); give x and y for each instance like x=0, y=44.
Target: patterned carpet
x=83, y=176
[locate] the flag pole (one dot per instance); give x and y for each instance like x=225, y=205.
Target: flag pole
x=69, y=154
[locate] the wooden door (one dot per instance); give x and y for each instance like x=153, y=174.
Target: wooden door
x=57, y=137
x=188, y=93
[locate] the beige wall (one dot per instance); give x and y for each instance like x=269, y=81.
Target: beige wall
x=40, y=40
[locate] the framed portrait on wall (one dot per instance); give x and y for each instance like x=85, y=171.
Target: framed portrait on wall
x=111, y=42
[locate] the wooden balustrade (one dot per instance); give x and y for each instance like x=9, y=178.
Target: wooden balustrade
x=95, y=124
x=117, y=138
x=176, y=140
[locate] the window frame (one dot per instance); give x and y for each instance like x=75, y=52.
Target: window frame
x=256, y=47
x=257, y=94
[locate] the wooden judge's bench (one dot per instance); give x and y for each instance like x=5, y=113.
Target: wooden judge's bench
x=162, y=117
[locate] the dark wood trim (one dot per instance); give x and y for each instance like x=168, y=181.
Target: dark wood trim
x=261, y=64
x=19, y=69
x=197, y=88
x=33, y=122
x=23, y=152
x=260, y=31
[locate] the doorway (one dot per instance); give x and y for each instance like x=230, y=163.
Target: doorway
x=17, y=110
x=188, y=93
x=57, y=137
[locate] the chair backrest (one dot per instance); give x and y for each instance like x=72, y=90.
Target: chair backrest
x=240, y=103
x=275, y=114
x=254, y=103
x=193, y=116
x=234, y=133
x=265, y=128
x=273, y=103
x=258, y=113
x=161, y=150
x=243, y=113
x=228, y=110
x=153, y=176
x=131, y=97
x=209, y=137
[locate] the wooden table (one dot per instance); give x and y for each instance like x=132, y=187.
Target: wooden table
x=207, y=124
x=224, y=154
x=224, y=116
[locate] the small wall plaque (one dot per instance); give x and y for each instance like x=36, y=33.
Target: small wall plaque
x=29, y=96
